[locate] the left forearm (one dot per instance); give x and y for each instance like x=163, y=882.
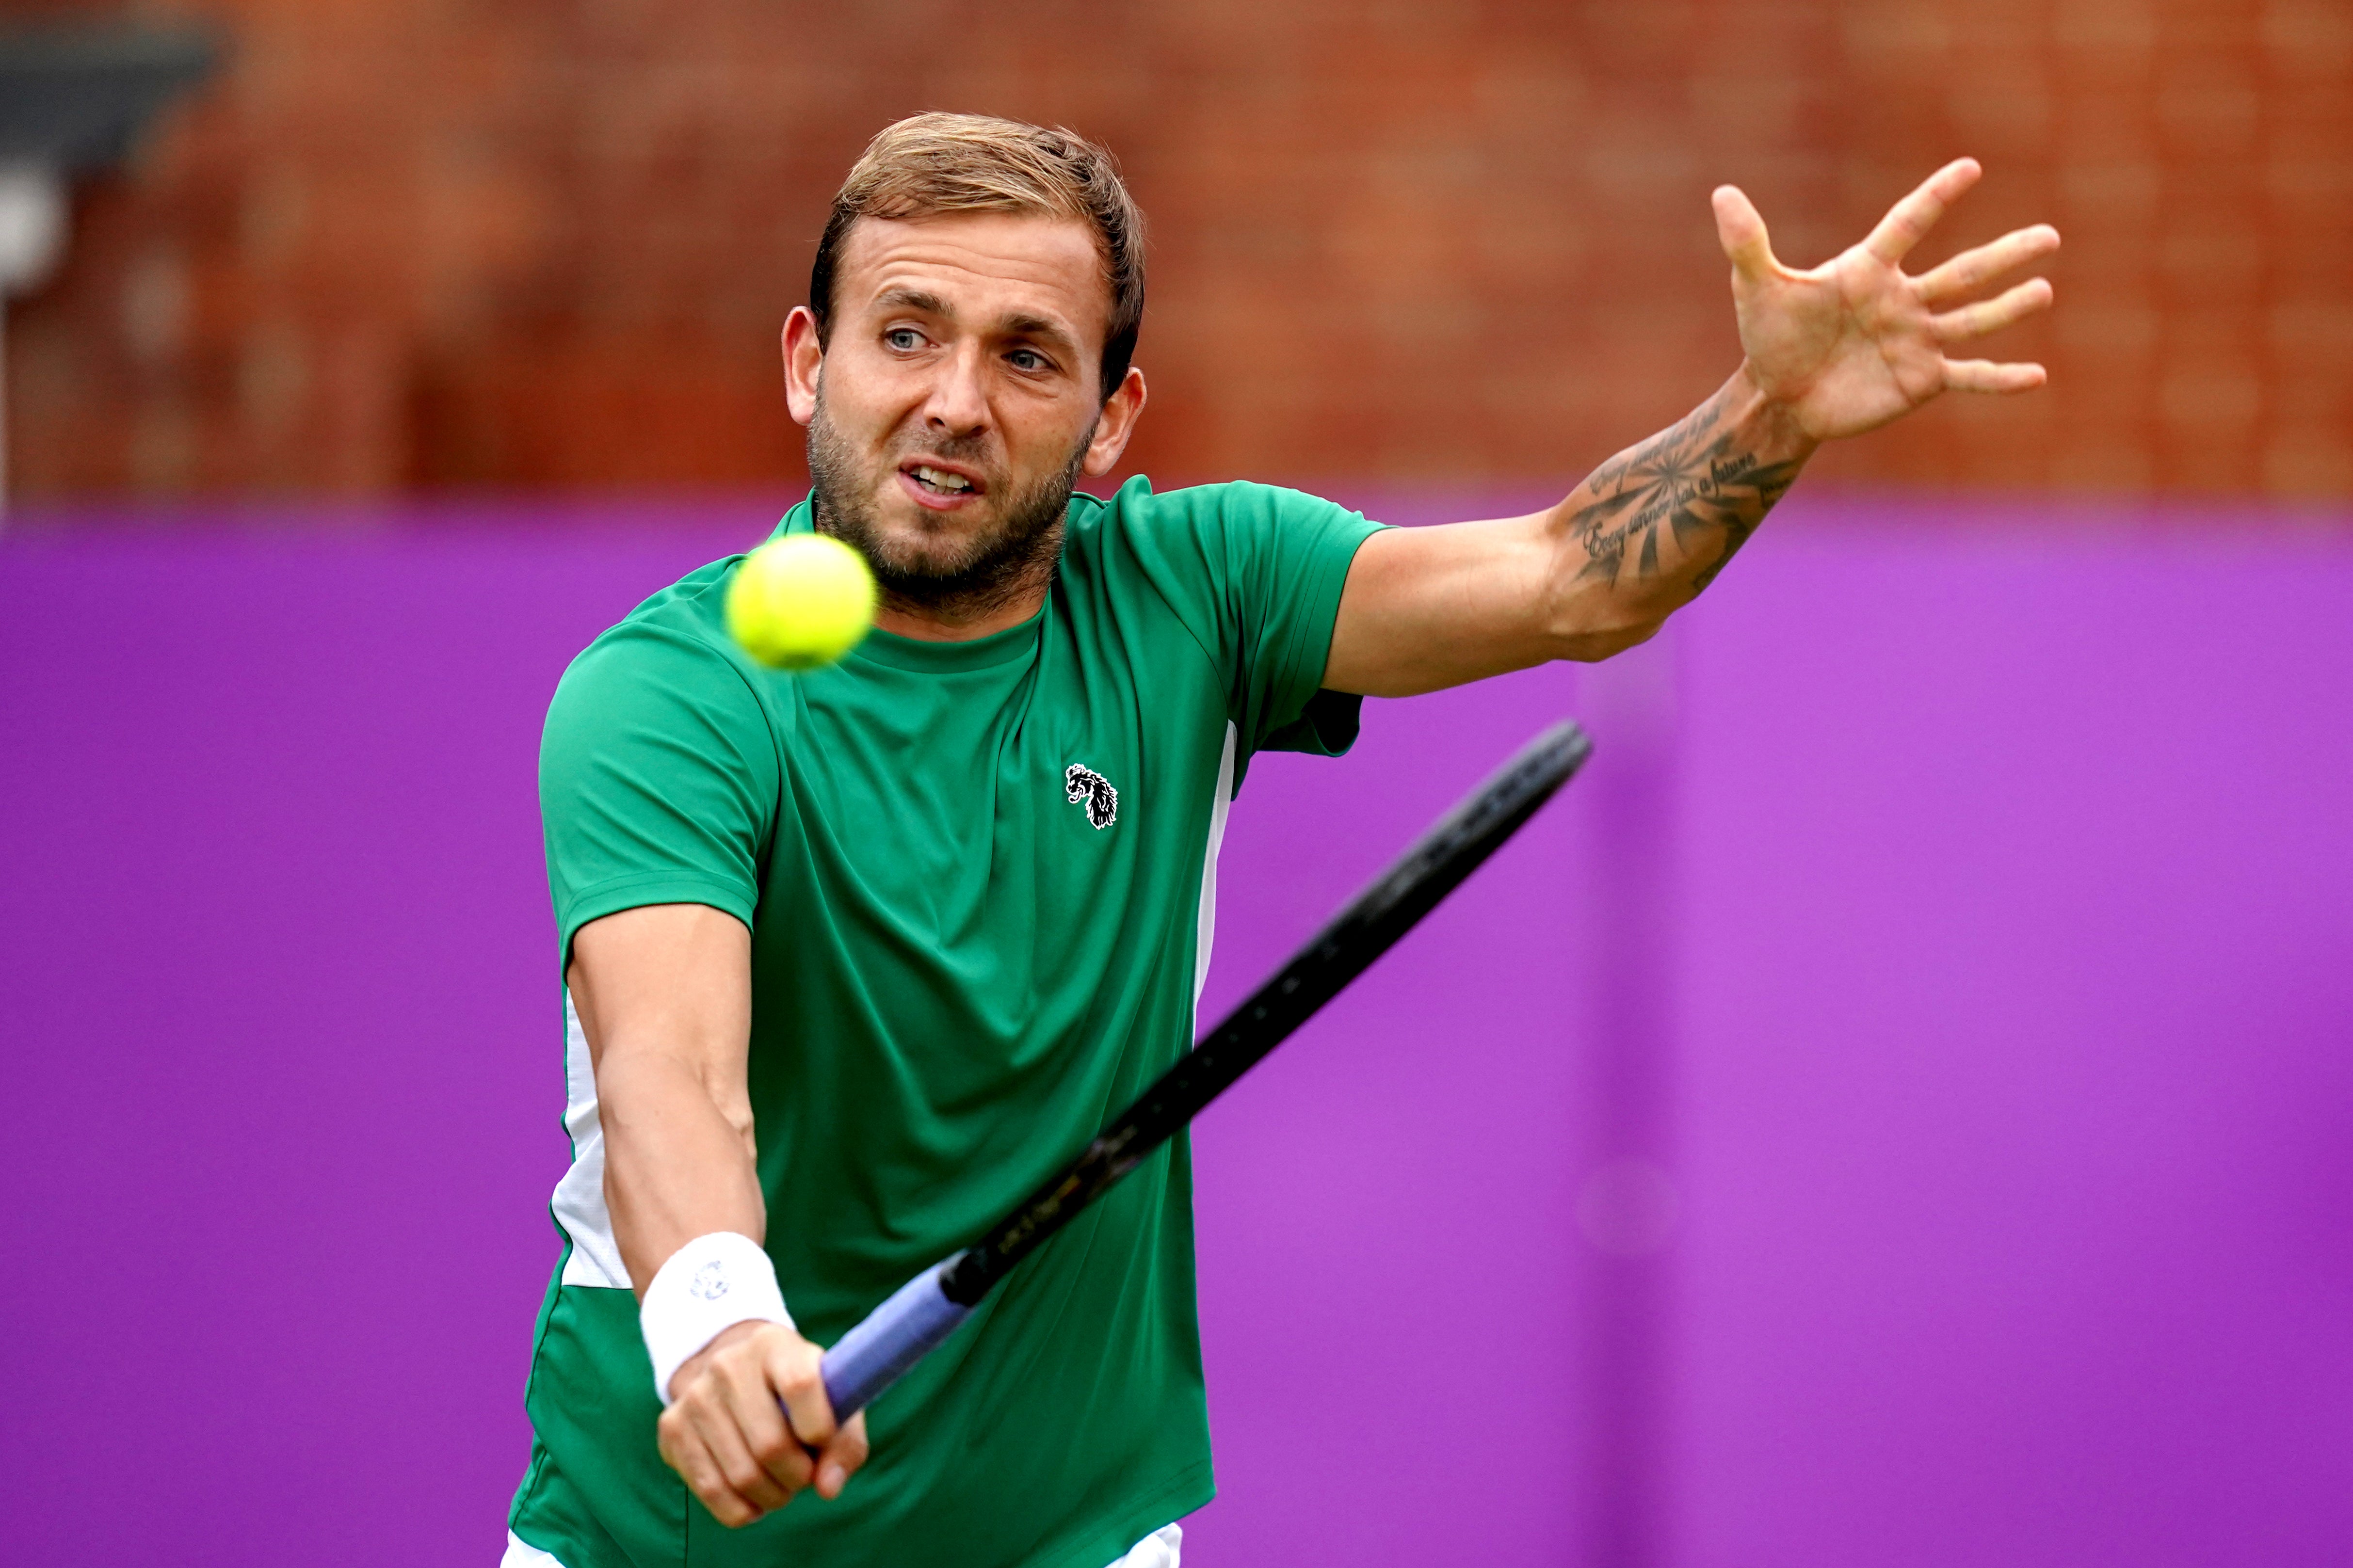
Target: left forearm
x=1652, y=527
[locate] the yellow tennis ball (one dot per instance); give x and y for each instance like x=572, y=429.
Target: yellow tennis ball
x=800, y=601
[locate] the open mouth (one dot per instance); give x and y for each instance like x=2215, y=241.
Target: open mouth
x=940, y=481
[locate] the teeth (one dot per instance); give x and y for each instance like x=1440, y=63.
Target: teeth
x=940, y=480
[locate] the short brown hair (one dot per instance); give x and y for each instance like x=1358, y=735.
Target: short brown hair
x=933, y=163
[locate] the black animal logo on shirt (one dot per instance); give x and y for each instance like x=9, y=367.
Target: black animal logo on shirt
x=1084, y=785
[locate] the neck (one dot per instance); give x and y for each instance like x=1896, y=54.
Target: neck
x=964, y=614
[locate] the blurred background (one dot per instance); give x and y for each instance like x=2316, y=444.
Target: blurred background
x=1896, y=1108
x=468, y=243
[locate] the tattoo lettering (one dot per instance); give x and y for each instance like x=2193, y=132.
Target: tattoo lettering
x=1692, y=481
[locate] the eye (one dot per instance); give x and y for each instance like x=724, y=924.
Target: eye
x=1029, y=358
x=906, y=339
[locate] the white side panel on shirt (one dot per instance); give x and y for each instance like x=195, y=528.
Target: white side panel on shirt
x=1160, y=1549
x=579, y=1201
x=1218, y=806
x=521, y=1553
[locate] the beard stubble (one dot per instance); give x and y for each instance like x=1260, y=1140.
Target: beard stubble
x=982, y=572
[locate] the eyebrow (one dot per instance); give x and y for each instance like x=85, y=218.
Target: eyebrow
x=1018, y=324
x=914, y=299
x=1035, y=327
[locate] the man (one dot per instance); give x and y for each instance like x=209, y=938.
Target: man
x=847, y=969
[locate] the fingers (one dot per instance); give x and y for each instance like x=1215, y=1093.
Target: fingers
x=2008, y=307
x=1916, y=214
x=1741, y=231
x=752, y=1426
x=749, y=1476
x=751, y=1409
x=1984, y=376
x=1966, y=272
x=685, y=1450
x=842, y=1458
x=793, y=1373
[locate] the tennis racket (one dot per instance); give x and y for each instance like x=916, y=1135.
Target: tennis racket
x=900, y=1332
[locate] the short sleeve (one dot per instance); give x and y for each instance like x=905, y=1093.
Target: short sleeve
x=658, y=780
x=1257, y=573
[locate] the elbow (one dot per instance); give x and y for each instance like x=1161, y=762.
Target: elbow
x=1589, y=619
x=1593, y=638
x=639, y=1089
x=738, y=1116
x=1594, y=647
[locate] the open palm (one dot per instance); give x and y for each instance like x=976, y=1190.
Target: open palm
x=1852, y=344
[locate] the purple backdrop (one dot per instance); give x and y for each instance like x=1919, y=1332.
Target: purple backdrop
x=1894, y=1109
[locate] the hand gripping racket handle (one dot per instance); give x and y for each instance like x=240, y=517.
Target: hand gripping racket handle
x=890, y=1338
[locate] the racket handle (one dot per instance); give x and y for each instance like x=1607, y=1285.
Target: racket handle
x=889, y=1342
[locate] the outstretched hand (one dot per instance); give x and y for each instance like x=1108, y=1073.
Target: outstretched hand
x=1850, y=345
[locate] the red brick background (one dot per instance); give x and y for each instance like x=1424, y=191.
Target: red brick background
x=406, y=243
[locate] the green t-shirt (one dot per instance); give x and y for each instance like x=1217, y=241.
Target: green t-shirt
x=959, y=972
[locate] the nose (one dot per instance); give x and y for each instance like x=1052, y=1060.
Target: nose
x=958, y=406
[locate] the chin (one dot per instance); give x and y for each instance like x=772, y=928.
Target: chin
x=922, y=543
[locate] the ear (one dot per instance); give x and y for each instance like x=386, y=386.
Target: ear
x=1116, y=424
x=803, y=357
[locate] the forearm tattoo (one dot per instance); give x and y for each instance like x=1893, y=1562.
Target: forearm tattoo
x=1696, y=479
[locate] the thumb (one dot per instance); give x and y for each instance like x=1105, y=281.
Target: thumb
x=1742, y=234
x=842, y=1457
x=796, y=1371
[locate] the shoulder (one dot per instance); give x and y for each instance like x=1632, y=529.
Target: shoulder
x=683, y=625
x=683, y=619
x=1178, y=526
x=674, y=647
x=1136, y=507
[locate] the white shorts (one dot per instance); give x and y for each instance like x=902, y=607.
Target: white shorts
x=1157, y=1550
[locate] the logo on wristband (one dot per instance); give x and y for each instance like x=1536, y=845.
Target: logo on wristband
x=710, y=1281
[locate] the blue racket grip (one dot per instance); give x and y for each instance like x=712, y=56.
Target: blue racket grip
x=891, y=1340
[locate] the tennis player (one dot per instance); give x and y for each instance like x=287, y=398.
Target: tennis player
x=852, y=960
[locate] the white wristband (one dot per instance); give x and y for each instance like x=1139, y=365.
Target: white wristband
x=712, y=1283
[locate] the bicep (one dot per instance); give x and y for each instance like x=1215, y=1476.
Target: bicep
x=1426, y=608
x=665, y=989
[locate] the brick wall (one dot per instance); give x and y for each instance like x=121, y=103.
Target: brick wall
x=549, y=242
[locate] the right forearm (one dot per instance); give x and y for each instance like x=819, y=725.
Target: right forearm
x=664, y=997
x=676, y=1165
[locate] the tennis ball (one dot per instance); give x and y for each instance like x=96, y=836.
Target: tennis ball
x=800, y=601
